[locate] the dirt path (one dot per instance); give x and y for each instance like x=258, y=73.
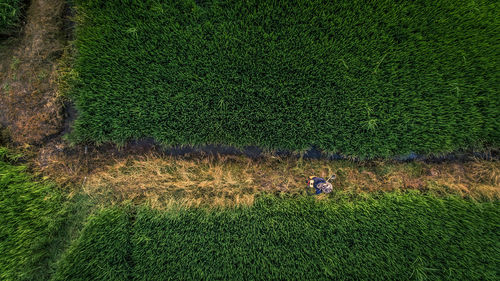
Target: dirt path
x=145, y=174
x=30, y=107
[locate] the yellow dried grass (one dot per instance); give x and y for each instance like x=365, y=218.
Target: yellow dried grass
x=220, y=181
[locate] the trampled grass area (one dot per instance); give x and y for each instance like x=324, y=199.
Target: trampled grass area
x=360, y=78
x=393, y=237
x=10, y=13
x=231, y=181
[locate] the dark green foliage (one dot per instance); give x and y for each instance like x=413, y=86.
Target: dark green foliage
x=10, y=12
x=362, y=78
x=102, y=252
x=29, y=212
x=4, y=136
x=395, y=237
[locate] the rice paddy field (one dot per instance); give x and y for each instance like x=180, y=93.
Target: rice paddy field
x=365, y=80
x=359, y=78
x=47, y=234
x=394, y=237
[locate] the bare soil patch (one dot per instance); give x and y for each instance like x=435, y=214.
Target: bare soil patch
x=29, y=105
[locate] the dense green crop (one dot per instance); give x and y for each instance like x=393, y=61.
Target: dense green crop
x=29, y=212
x=396, y=237
x=10, y=12
x=102, y=252
x=360, y=78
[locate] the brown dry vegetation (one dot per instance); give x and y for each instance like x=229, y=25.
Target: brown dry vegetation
x=29, y=103
x=142, y=175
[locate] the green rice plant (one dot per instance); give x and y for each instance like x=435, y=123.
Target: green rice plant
x=386, y=237
x=102, y=252
x=30, y=213
x=10, y=13
x=290, y=75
